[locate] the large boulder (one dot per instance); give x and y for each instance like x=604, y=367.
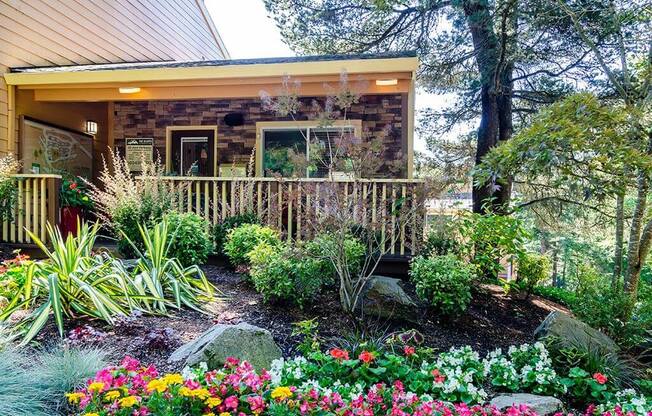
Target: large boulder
x=243, y=341
x=384, y=297
x=541, y=405
x=571, y=331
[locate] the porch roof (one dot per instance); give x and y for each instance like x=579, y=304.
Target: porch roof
x=124, y=73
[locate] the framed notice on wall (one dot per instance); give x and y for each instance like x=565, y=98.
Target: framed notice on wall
x=137, y=150
x=47, y=148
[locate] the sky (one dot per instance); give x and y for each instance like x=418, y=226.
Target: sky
x=248, y=32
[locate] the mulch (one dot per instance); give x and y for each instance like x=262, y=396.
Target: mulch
x=493, y=320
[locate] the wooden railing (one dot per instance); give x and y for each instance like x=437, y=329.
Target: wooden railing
x=292, y=205
x=36, y=205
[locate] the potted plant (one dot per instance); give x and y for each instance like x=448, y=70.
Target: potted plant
x=74, y=200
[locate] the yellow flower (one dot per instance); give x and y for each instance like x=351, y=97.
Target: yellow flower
x=128, y=401
x=213, y=401
x=209, y=414
x=112, y=395
x=91, y=414
x=281, y=393
x=173, y=379
x=96, y=387
x=185, y=391
x=158, y=385
x=201, y=394
x=225, y=414
x=74, y=397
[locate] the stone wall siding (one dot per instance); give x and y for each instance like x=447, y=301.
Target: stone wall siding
x=381, y=115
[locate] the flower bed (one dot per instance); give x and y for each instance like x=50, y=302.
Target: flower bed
x=237, y=389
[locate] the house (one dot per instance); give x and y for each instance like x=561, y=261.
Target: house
x=204, y=117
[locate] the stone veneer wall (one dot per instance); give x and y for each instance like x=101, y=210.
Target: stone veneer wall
x=381, y=115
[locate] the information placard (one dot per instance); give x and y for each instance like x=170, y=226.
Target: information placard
x=137, y=150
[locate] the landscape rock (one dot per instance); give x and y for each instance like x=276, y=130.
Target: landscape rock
x=242, y=341
x=541, y=405
x=571, y=331
x=384, y=297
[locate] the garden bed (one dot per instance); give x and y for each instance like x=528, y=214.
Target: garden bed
x=492, y=320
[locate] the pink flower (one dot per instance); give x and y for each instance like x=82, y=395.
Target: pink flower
x=409, y=351
x=231, y=362
x=600, y=378
x=256, y=403
x=231, y=402
x=439, y=377
x=130, y=364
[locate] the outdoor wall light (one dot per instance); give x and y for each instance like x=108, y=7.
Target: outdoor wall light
x=384, y=82
x=129, y=90
x=91, y=127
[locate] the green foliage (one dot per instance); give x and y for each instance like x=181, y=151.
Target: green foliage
x=282, y=272
x=350, y=255
x=8, y=186
x=20, y=392
x=190, y=241
x=556, y=294
x=74, y=281
x=13, y=274
x=243, y=239
x=533, y=269
x=443, y=281
x=439, y=244
x=308, y=331
x=489, y=238
x=74, y=194
x=128, y=217
x=221, y=230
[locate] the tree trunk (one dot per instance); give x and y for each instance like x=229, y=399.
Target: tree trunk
x=618, y=248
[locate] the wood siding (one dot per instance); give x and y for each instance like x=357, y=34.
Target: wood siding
x=75, y=32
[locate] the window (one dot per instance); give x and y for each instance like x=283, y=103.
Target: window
x=285, y=151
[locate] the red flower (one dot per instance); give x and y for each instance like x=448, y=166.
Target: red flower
x=600, y=378
x=73, y=185
x=408, y=350
x=366, y=357
x=339, y=354
x=439, y=377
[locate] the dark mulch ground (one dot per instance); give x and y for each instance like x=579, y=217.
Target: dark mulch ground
x=493, y=320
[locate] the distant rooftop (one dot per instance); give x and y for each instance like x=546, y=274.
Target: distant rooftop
x=225, y=62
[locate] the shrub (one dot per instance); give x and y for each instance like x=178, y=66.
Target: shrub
x=490, y=238
x=190, y=241
x=221, y=230
x=124, y=203
x=443, y=281
x=243, y=239
x=533, y=269
x=323, y=246
x=556, y=294
x=438, y=244
x=285, y=273
x=20, y=392
x=8, y=188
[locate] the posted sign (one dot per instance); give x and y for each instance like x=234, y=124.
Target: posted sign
x=137, y=150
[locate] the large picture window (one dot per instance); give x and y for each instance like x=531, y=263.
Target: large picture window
x=303, y=151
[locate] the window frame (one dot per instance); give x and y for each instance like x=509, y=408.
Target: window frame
x=306, y=125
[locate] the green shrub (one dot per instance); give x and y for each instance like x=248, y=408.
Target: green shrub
x=533, y=269
x=128, y=217
x=243, y=239
x=221, y=230
x=190, y=241
x=323, y=247
x=437, y=244
x=8, y=188
x=489, y=238
x=443, y=281
x=282, y=272
x=556, y=294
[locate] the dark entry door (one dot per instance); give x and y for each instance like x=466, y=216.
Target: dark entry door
x=193, y=152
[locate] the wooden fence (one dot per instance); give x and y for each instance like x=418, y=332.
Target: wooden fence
x=37, y=204
x=393, y=208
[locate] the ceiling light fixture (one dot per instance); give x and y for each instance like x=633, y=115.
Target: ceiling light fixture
x=384, y=82
x=129, y=90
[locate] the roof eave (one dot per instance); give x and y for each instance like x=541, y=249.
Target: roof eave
x=351, y=66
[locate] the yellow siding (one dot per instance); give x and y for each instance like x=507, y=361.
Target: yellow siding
x=74, y=32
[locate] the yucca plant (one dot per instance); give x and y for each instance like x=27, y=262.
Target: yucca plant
x=70, y=282
x=166, y=279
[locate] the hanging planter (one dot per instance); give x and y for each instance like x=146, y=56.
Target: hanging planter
x=74, y=202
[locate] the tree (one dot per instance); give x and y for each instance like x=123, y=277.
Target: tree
x=503, y=59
